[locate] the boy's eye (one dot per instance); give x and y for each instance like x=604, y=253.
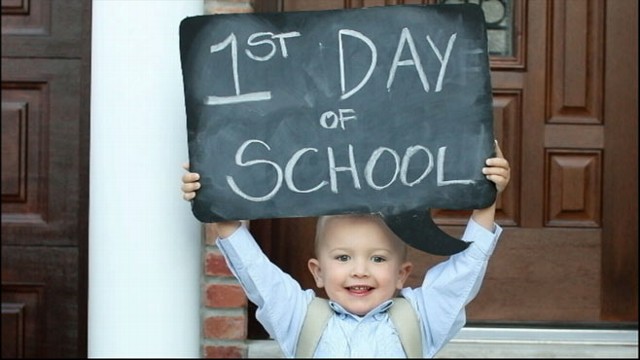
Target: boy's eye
x=378, y=259
x=342, y=258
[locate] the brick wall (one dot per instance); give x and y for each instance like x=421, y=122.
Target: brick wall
x=223, y=310
x=224, y=306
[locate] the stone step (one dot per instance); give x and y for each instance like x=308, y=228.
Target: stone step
x=483, y=342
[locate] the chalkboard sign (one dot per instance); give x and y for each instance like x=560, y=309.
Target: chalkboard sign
x=381, y=109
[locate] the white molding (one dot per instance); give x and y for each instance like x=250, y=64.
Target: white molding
x=145, y=259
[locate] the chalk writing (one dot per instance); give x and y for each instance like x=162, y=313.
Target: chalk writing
x=400, y=168
x=405, y=39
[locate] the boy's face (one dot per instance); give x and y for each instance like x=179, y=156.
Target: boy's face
x=359, y=264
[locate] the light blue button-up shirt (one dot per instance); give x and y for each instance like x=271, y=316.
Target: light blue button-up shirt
x=440, y=301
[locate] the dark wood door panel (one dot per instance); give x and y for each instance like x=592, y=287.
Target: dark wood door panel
x=40, y=151
x=45, y=162
x=43, y=28
x=545, y=276
x=43, y=282
x=22, y=319
x=620, y=168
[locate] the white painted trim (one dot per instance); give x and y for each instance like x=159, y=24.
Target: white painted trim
x=144, y=244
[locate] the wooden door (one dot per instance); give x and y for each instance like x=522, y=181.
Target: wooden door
x=565, y=112
x=45, y=162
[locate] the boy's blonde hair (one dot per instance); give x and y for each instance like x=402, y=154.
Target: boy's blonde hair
x=324, y=219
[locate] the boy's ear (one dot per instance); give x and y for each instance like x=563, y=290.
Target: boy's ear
x=403, y=274
x=316, y=271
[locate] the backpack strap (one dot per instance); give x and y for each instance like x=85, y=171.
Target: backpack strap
x=315, y=321
x=407, y=325
x=401, y=313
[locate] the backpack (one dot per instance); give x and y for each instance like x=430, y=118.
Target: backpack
x=401, y=313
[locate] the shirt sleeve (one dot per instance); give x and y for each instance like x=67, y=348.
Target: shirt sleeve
x=281, y=302
x=450, y=285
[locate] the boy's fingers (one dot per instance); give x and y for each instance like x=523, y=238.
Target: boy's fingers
x=190, y=187
x=498, y=150
x=190, y=177
x=189, y=183
x=497, y=162
x=498, y=170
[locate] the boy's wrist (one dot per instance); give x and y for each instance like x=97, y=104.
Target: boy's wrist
x=226, y=228
x=485, y=217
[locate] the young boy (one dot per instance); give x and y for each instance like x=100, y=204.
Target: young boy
x=362, y=266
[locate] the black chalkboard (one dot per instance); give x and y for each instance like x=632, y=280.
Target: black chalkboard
x=381, y=109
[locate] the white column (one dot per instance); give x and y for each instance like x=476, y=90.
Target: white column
x=144, y=242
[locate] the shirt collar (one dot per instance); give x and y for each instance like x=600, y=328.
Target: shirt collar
x=342, y=312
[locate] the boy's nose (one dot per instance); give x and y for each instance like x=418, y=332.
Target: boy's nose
x=360, y=269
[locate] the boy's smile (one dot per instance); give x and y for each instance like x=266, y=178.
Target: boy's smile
x=359, y=290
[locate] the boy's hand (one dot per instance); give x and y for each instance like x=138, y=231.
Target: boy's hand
x=189, y=183
x=498, y=170
x=189, y=186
